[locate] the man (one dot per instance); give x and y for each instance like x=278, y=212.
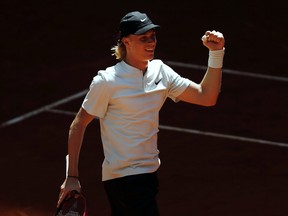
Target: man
x=127, y=98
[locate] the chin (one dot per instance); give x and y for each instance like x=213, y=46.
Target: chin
x=151, y=57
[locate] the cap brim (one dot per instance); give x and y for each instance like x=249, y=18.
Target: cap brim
x=146, y=28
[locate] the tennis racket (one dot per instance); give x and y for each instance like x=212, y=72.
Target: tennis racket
x=75, y=205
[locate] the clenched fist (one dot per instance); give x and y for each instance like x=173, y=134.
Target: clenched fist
x=213, y=40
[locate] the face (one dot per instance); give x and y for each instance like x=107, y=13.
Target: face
x=141, y=47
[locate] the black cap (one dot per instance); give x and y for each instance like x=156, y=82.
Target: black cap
x=135, y=23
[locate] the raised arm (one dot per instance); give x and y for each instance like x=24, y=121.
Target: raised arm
x=206, y=92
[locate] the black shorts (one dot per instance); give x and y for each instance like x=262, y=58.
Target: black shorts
x=133, y=195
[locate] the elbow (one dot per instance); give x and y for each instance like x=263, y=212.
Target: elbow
x=77, y=126
x=210, y=102
x=209, y=97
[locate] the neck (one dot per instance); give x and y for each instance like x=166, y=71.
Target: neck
x=141, y=65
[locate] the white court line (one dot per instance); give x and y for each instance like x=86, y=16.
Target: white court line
x=229, y=71
x=43, y=109
x=64, y=112
x=226, y=136
x=198, y=132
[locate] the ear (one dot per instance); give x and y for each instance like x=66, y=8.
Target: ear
x=125, y=40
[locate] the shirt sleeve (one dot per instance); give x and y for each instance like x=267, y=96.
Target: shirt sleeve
x=97, y=99
x=177, y=84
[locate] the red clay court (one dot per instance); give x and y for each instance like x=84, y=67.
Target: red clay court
x=228, y=160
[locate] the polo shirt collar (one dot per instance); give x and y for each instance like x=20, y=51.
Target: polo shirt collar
x=130, y=69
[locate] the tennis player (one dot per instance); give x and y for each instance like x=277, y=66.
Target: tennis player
x=127, y=98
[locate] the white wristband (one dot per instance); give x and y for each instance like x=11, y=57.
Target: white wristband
x=67, y=165
x=215, y=59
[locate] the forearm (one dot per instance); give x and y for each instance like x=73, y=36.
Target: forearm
x=76, y=134
x=211, y=85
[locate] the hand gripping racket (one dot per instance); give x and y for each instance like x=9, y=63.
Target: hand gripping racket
x=75, y=205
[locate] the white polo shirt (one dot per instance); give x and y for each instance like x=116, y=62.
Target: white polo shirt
x=128, y=104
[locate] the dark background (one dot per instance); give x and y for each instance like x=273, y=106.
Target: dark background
x=52, y=49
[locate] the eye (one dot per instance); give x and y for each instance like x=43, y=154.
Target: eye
x=148, y=38
x=144, y=39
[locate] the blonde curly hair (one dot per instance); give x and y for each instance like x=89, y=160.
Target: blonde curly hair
x=119, y=51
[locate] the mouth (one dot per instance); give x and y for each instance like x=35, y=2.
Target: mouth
x=150, y=49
